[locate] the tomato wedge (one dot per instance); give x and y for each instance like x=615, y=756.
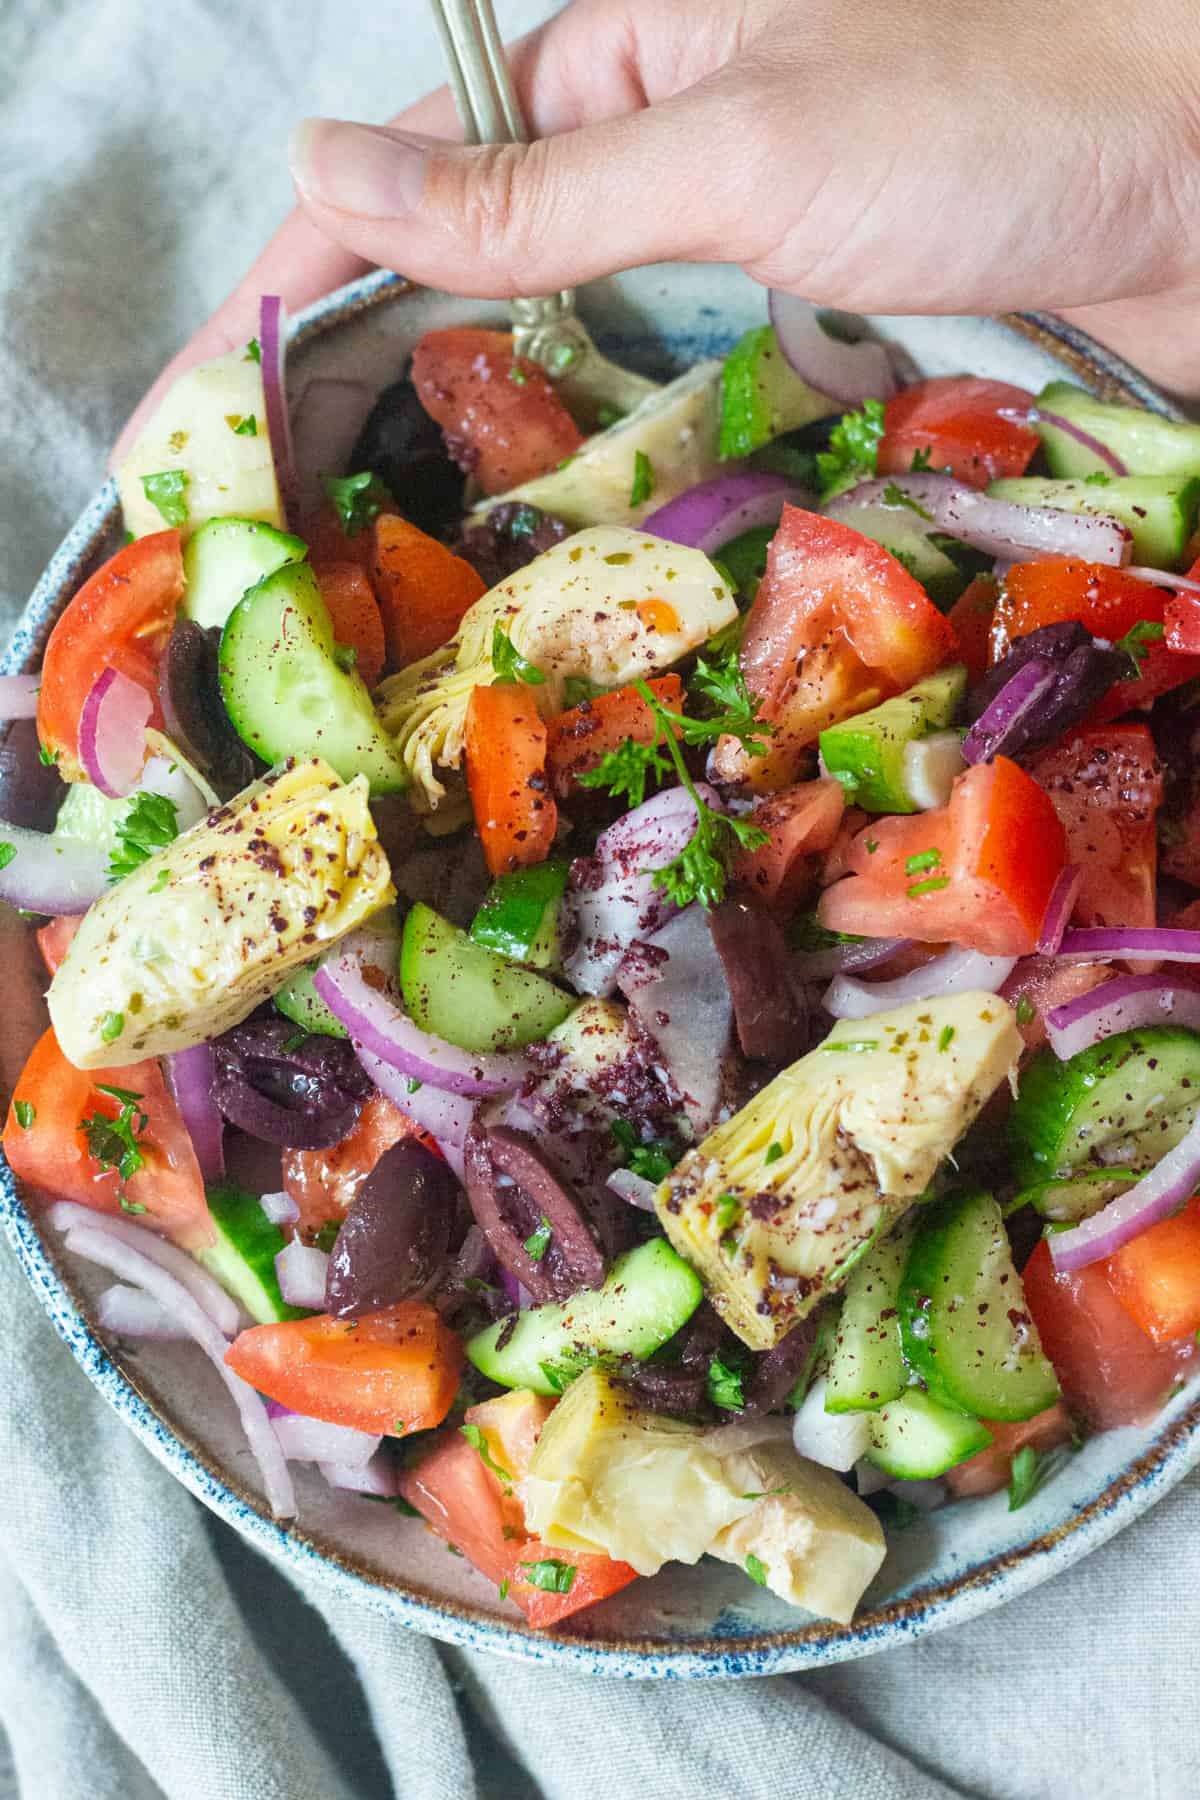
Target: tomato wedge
x=54, y=939
x=801, y=824
x=992, y=1468
x=836, y=626
x=350, y=598
x=1181, y=616
x=515, y=812
x=1106, y=785
x=962, y=423
x=1156, y=1277
x=423, y=589
x=501, y=413
x=970, y=619
x=978, y=872
x=578, y=738
x=394, y=1371
x=121, y=618
x=324, y=1182
x=46, y=1147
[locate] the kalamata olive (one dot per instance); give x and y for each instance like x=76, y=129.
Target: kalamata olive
x=31, y=791
x=1083, y=671
x=669, y=1388
x=394, y=1241
x=403, y=446
x=768, y=1008
x=779, y=1369
x=303, y=1095
x=194, y=711
x=511, y=536
x=520, y=1201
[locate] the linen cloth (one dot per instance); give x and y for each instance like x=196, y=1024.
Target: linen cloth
x=145, y=1651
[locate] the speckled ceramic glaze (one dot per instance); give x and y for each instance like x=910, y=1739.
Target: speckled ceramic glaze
x=686, y=1623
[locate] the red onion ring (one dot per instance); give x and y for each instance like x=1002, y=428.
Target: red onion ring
x=1058, y=912
x=209, y=1295
x=132, y=1313
x=633, y=1188
x=445, y=1116
x=189, y=1075
x=19, y=696
x=821, y=965
x=380, y=1476
x=112, y=733
x=706, y=516
x=1035, y=416
x=683, y=1003
x=304, y=1439
x=1168, y=1186
x=51, y=875
x=1126, y=1003
x=272, y=343
x=1023, y=693
x=1001, y=528
x=1121, y=943
x=1163, y=578
x=301, y=1269
x=954, y=972
x=848, y=372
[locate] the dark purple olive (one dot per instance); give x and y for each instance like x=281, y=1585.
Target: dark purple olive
x=1078, y=670
x=768, y=1008
x=395, y=1238
x=668, y=1388
x=194, y=711
x=403, y=446
x=511, y=536
x=31, y=791
x=304, y=1093
x=533, y=1222
x=777, y=1370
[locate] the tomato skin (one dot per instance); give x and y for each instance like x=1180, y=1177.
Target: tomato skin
x=1106, y=785
x=801, y=823
x=1156, y=1277
x=121, y=618
x=1181, y=616
x=505, y=741
x=836, y=626
x=578, y=738
x=991, y=1469
x=54, y=939
x=970, y=619
x=52, y=1153
x=1045, y=983
x=503, y=430
x=352, y=606
x=958, y=421
x=1110, y=1371
x=324, y=1182
x=399, y=1365
x=1001, y=848
x=422, y=587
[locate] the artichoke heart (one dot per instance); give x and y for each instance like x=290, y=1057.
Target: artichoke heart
x=193, y=940
x=608, y=605
x=772, y=1207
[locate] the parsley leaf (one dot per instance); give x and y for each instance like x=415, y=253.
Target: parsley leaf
x=168, y=492
x=508, y=662
x=326, y=1237
x=48, y=757
x=130, y=1206
x=551, y=1575
x=853, y=449
x=643, y=479
x=479, y=1443
x=947, y=1037
x=149, y=822
x=25, y=1113
x=357, y=499
x=247, y=427
x=1097, y=478
x=504, y=1588
x=921, y=460
x=1135, y=642
x=253, y=351
x=1024, y=1010
x=725, y=1387
x=756, y=1570
x=653, y=1161
x=1030, y=1471
x=7, y=852
x=111, y=1026
x=537, y=1244
x=113, y=1142
x=893, y=495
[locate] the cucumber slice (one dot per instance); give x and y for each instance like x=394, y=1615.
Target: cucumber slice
x=1160, y=510
x=867, y=753
x=867, y=1367
x=243, y=1257
x=1144, y=441
x=299, y=1001
x=916, y=1439
x=469, y=996
x=1125, y=1102
x=285, y=693
x=648, y=1295
x=963, y=1321
x=519, y=915
x=899, y=530
x=762, y=396
x=227, y=556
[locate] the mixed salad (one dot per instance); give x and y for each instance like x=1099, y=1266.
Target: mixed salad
x=625, y=972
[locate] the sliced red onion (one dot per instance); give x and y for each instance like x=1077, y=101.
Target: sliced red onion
x=376, y=1020
x=280, y=1208
x=272, y=342
x=19, y=696
x=1121, y=943
x=167, y=774
x=706, y=516
x=837, y=1440
x=1163, y=578
x=189, y=1075
x=380, y=1476
x=1126, y=1003
x=445, y=1116
x=1168, y=1186
x=848, y=372
x=997, y=527
x=1058, y=912
x=326, y=420
x=301, y=1270
x=955, y=972
x=633, y=1188
x=132, y=1313
x=109, y=1252
x=820, y=965
x=51, y=875
x=303, y=1439
x=112, y=733
x=1035, y=416
x=1024, y=693
x=680, y=997
x=209, y=1295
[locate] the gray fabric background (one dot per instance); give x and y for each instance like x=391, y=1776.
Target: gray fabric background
x=144, y=1651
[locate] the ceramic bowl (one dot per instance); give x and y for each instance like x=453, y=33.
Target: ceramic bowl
x=702, y=1622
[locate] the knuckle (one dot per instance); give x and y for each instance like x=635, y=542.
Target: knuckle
x=494, y=201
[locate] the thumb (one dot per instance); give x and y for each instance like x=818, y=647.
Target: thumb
x=663, y=184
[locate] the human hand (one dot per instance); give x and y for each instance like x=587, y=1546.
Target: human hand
x=934, y=156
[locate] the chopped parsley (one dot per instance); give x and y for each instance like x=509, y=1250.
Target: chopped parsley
x=1030, y=1470
x=756, y=1570
x=947, y=1037
x=872, y=846
x=508, y=662
x=562, y=356
x=853, y=449
x=149, y=822
x=551, y=1575
x=168, y=492
x=357, y=499
x=774, y=1152
x=653, y=1161
x=729, y=1212
x=247, y=427
x=504, y=1588
x=725, y=1386
x=1136, y=641
x=1025, y=1010
x=25, y=1113
x=785, y=1487
x=130, y=1206
x=412, y=1085
x=607, y=415
x=160, y=881
x=894, y=495
x=577, y=689
x=113, y=1142
x=326, y=1237
x=855, y=1044
x=933, y=886
x=402, y=1506
x=111, y=1026
x=921, y=460
x=253, y=351
x=7, y=852
x=479, y=1443
x=517, y=375
x=643, y=479
x=927, y=859
x=48, y=757
x=1097, y=478
x=537, y=1244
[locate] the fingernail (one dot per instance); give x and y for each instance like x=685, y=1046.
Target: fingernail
x=362, y=169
